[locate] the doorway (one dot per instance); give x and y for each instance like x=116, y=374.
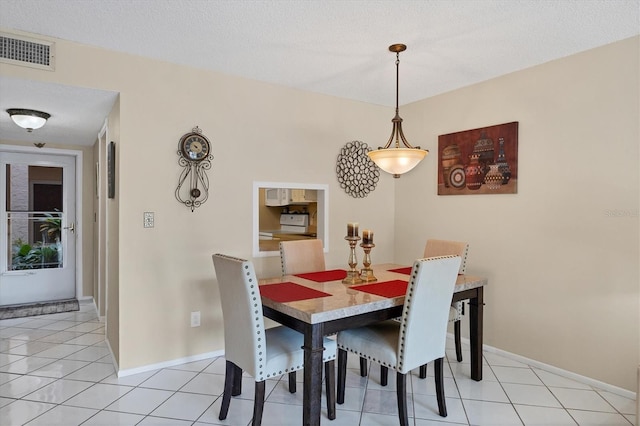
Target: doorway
x=38, y=216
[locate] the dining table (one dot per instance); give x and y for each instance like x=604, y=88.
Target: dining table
x=318, y=304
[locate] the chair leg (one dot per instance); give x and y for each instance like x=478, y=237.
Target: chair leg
x=456, y=335
x=230, y=369
x=442, y=405
x=292, y=382
x=258, y=403
x=384, y=375
x=236, y=389
x=330, y=382
x=401, y=391
x=423, y=371
x=342, y=374
x=363, y=367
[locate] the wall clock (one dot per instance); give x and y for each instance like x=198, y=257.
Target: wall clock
x=357, y=174
x=194, y=151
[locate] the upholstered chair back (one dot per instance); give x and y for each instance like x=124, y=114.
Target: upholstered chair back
x=446, y=248
x=423, y=329
x=301, y=256
x=244, y=334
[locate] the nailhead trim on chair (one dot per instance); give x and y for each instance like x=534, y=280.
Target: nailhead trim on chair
x=299, y=367
x=370, y=358
x=260, y=372
x=407, y=303
x=463, y=268
x=282, y=261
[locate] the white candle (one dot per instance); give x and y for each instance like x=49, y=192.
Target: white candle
x=367, y=236
x=352, y=229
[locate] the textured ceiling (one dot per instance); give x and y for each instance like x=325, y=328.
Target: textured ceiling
x=337, y=48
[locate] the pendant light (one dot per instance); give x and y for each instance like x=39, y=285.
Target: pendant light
x=397, y=160
x=28, y=118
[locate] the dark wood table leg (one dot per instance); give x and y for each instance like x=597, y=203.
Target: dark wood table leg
x=476, y=313
x=311, y=400
x=236, y=388
x=330, y=384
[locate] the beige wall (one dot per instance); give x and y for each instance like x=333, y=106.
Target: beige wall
x=259, y=132
x=564, y=276
x=561, y=254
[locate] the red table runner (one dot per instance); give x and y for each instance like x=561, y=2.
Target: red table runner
x=393, y=288
x=289, y=292
x=324, y=276
x=406, y=270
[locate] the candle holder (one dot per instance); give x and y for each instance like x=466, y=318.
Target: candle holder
x=366, y=273
x=353, y=276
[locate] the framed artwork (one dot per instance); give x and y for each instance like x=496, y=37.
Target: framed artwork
x=479, y=161
x=111, y=170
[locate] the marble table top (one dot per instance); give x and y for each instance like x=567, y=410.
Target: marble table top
x=345, y=301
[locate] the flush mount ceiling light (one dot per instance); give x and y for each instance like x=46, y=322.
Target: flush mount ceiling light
x=28, y=118
x=397, y=160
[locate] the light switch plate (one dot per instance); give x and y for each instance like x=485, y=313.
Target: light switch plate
x=195, y=319
x=148, y=219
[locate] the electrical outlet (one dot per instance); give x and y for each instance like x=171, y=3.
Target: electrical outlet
x=148, y=219
x=195, y=319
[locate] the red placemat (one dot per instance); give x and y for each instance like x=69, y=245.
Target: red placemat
x=324, y=276
x=393, y=288
x=289, y=292
x=406, y=270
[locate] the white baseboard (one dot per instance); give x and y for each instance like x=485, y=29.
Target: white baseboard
x=172, y=363
x=559, y=371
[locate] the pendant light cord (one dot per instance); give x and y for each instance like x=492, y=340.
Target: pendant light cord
x=397, y=81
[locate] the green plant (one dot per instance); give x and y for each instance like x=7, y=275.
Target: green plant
x=23, y=256
x=52, y=226
x=39, y=256
x=49, y=256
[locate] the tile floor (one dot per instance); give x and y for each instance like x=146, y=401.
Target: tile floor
x=56, y=370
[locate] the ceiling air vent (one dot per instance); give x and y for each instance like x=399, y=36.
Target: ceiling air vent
x=28, y=52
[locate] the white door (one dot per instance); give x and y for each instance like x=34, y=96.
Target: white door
x=38, y=249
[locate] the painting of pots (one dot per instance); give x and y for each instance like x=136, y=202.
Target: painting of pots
x=479, y=161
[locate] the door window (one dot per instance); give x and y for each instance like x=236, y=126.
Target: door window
x=34, y=217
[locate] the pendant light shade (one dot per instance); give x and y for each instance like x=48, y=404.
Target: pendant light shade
x=28, y=119
x=397, y=160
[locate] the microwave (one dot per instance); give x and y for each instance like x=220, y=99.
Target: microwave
x=287, y=196
x=276, y=196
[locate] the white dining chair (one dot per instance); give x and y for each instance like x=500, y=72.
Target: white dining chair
x=417, y=339
x=459, y=248
x=443, y=248
x=301, y=256
x=248, y=346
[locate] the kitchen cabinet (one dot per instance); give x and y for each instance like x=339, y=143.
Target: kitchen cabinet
x=285, y=196
x=303, y=195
